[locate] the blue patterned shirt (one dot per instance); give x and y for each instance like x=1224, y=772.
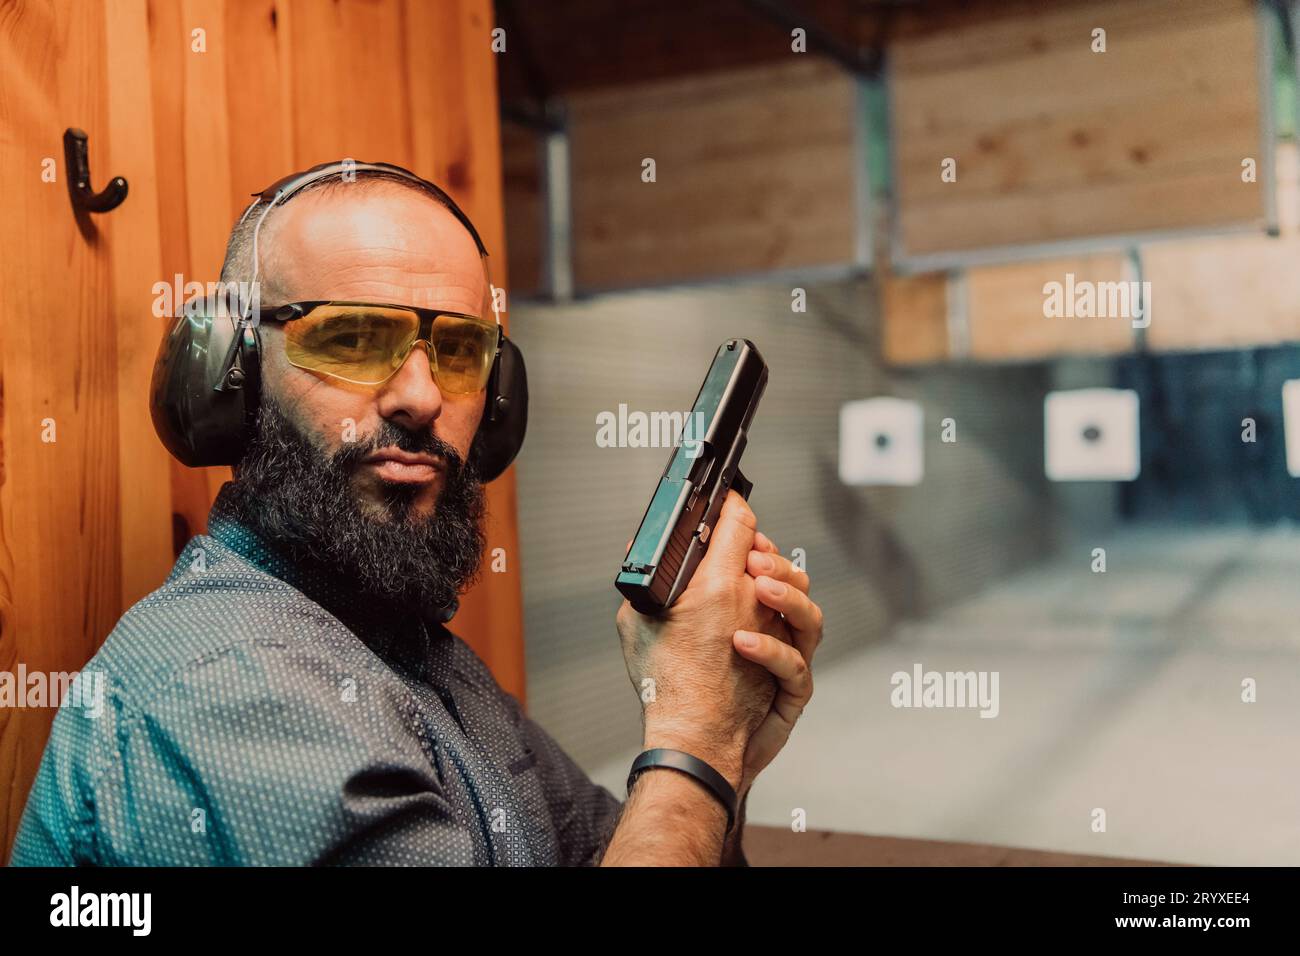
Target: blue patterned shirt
x=257, y=714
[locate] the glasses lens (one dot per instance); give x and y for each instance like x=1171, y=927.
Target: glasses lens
x=463, y=350
x=357, y=343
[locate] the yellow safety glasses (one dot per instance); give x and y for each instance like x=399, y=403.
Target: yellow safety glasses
x=366, y=343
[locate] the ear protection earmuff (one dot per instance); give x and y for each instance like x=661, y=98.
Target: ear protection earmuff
x=207, y=381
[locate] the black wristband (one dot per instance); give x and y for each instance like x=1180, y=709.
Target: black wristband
x=693, y=766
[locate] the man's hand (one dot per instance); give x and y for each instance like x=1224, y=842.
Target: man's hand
x=785, y=649
x=697, y=694
x=706, y=689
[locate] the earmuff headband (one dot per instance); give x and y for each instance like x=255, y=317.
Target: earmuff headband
x=281, y=191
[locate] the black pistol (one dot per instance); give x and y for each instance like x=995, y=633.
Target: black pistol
x=674, y=532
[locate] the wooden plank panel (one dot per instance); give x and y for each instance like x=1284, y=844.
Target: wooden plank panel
x=348, y=84
x=780, y=846
x=59, y=504
x=1004, y=310
x=180, y=120
x=207, y=137
x=1230, y=292
x=136, y=258
x=1055, y=142
x=914, y=311
x=257, y=96
x=207, y=141
x=755, y=172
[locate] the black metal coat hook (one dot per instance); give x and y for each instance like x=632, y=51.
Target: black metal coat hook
x=76, y=158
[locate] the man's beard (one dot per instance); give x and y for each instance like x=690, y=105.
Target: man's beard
x=303, y=501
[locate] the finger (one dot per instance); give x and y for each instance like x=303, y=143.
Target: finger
x=763, y=543
x=732, y=538
x=803, y=617
x=778, y=628
x=778, y=567
x=787, y=665
x=628, y=549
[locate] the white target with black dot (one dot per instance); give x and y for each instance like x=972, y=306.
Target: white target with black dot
x=881, y=442
x=1091, y=434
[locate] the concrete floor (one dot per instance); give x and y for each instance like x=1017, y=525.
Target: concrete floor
x=1120, y=691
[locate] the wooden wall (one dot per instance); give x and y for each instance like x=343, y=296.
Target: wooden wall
x=756, y=171
x=89, y=522
x=995, y=313
x=1053, y=141
x=1004, y=310
x=1208, y=292
x=1230, y=291
x=914, y=318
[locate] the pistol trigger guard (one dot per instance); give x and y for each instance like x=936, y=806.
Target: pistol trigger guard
x=742, y=485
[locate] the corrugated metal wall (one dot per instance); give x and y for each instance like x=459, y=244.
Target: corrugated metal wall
x=875, y=555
